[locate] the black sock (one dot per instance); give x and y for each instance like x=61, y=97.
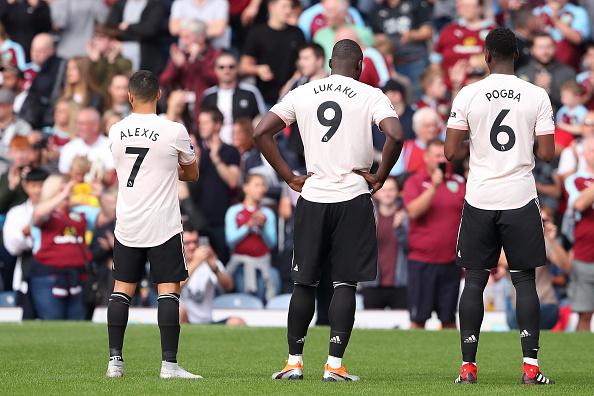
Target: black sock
x=342, y=317
x=301, y=311
x=168, y=318
x=117, y=319
x=472, y=310
x=527, y=311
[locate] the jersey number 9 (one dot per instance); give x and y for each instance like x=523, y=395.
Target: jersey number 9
x=333, y=122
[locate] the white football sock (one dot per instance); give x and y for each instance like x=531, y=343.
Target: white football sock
x=531, y=361
x=463, y=363
x=334, y=362
x=295, y=359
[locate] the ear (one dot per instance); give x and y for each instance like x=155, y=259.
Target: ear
x=130, y=98
x=158, y=95
x=488, y=57
x=516, y=55
x=330, y=63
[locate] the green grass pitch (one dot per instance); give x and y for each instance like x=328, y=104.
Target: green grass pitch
x=70, y=358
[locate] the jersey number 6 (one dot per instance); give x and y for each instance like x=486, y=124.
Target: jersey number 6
x=497, y=128
x=333, y=122
x=141, y=152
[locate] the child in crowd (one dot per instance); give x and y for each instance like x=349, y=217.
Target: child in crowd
x=571, y=115
x=434, y=93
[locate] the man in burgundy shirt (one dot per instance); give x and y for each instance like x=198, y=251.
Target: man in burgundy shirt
x=433, y=200
x=191, y=65
x=580, y=188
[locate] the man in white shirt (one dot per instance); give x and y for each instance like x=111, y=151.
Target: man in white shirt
x=509, y=121
x=334, y=219
x=206, y=275
x=17, y=228
x=150, y=154
x=90, y=143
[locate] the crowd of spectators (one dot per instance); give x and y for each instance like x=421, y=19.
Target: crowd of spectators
x=222, y=64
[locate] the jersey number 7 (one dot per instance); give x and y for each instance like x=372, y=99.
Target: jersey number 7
x=497, y=128
x=141, y=152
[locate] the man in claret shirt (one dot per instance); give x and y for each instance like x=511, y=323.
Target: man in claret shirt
x=580, y=187
x=461, y=39
x=433, y=198
x=569, y=26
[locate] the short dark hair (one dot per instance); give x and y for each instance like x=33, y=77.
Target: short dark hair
x=227, y=53
x=215, y=114
x=396, y=86
x=144, y=85
x=347, y=51
x=316, y=48
x=501, y=43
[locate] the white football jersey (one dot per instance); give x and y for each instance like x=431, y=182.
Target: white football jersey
x=146, y=150
x=503, y=114
x=334, y=116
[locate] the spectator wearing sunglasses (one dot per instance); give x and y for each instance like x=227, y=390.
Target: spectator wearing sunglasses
x=234, y=99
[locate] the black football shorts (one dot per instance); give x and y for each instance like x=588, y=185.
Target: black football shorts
x=340, y=235
x=483, y=233
x=167, y=261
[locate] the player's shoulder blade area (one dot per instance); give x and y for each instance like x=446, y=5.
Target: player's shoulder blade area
x=135, y=127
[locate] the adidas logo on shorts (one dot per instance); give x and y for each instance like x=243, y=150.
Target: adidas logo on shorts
x=524, y=333
x=470, y=340
x=336, y=340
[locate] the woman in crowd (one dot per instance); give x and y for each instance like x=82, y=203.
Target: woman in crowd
x=60, y=253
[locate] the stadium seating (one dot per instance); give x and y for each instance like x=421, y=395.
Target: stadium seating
x=7, y=299
x=279, y=302
x=237, y=300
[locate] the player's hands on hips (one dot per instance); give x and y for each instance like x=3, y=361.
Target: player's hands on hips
x=297, y=182
x=372, y=180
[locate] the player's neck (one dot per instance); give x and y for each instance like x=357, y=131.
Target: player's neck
x=502, y=68
x=343, y=73
x=148, y=108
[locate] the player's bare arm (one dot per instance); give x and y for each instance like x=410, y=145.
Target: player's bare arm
x=394, y=139
x=457, y=145
x=269, y=126
x=188, y=172
x=544, y=147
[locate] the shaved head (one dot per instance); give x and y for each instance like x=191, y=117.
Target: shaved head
x=347, y=59
x=347, y=51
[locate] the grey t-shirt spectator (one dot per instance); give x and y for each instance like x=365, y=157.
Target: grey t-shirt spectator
x=210, y=10
x=76, y=19
x=406, y=16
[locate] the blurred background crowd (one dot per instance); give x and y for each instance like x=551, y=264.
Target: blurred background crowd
x=222, y=64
